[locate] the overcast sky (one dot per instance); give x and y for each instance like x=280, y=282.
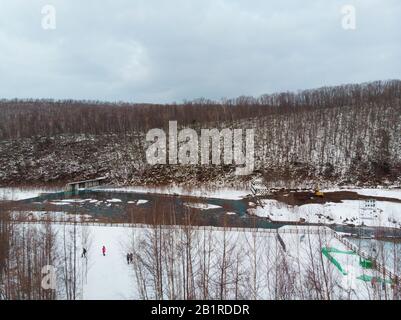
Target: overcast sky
x=172, y=50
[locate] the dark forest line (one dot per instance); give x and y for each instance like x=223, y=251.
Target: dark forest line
x=27, y=118
x=347, y=134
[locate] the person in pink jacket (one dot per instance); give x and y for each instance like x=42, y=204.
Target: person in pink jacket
x=104, y=250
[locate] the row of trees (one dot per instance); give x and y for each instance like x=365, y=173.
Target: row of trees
x=26, y=118
x=188, y=262
x=191, y=263
x=344, y=134
x=336, y=144
x=38, y=262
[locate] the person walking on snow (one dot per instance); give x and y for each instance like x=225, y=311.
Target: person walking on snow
x=128, y=258
x=104, y=250
x=83, y=253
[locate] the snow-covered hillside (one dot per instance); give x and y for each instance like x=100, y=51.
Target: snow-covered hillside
x=340, y=135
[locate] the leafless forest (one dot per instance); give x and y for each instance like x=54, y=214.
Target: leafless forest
x=179, y=262
x=26, y=253
x=344, y=134
x=188, y=263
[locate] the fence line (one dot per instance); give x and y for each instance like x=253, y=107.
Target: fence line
x=141, y=225
x=377, y=265
x=297, y=230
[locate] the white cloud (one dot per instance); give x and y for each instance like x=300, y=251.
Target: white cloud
x=163, y=51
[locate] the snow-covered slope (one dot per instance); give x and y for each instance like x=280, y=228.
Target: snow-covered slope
x=387, y=214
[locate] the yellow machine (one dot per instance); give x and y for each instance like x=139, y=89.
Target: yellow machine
x=318, y=193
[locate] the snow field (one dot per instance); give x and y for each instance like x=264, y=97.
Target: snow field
x=345, y=212
x=259, y=256
x=15, y=194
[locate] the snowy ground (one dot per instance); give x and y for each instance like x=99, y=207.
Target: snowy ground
x=387, y=214
x=141, y=201
x=202, y=206
x=110, y=277
x=298, y=249
x=15, y=194
x=51, y=215
x=65, y=202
